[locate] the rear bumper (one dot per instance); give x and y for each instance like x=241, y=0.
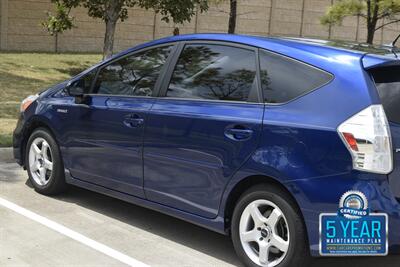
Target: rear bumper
x=322, y=195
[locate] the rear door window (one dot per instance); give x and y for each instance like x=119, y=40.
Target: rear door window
x=387, y=82
x=213, y=72
x=284, y=79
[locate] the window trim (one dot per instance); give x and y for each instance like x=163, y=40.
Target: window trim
x=166, y=72
x=156, y=90
x=254, y=97
x=261, y=50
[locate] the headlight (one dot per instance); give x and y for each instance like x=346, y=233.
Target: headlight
x=27, y=102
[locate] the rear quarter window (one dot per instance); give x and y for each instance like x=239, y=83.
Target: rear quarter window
x=284, y=79
x=387, y=81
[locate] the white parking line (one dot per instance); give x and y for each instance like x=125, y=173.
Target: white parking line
x=72, y=234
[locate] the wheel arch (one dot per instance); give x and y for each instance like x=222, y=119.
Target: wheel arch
x=240, y=187
x=33, y=124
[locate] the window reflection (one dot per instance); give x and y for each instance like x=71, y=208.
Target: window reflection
x=133, y=75
x=213, y=72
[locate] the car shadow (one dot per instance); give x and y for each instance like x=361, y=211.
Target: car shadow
x=184, y=233
x=187, y=234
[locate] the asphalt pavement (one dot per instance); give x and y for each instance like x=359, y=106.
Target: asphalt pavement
x=83, y=228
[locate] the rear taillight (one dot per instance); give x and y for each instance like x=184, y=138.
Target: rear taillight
x=367, y=137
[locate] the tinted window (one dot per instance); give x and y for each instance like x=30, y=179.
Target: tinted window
x=214, y=72
x=388, y=84
x=134, y=75
x=284, y=79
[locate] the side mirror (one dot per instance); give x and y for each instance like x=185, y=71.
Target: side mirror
x=75, y=91
x=78, y=93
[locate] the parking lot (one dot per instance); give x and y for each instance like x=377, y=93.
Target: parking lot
x=82, y=228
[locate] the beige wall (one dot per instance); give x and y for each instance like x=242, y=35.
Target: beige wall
x=20, y=27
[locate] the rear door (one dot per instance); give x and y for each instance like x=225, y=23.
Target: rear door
x=204, y=126
x=387, y=81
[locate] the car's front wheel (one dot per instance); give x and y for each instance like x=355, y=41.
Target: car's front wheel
x=267, y=230
x=44, y=164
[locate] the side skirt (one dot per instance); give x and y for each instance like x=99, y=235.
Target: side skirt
x=216, y=225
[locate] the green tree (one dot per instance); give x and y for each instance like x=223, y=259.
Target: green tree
x=372, y=11
x=112, y=11
x=179, y=11
x=59, y=22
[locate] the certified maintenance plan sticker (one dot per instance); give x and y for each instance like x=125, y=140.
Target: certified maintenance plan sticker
x=353, y=231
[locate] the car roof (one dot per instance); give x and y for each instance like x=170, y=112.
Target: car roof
x=258, y=41
x=324, y=54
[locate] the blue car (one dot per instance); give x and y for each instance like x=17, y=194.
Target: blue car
x=247, y=136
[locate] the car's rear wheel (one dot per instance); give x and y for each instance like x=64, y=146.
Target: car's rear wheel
x=267, y=229
x=44, y=164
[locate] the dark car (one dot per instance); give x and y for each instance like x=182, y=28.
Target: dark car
x=247, y=136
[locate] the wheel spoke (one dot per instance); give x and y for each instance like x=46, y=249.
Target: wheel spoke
x=36, y=149
x=45, y=147
x=279, y=243
x=274, y=218
x=256, y=215
x=263, y=253
x=250, y=236
x=47, y=164
x=34, y=166
x=42, y=172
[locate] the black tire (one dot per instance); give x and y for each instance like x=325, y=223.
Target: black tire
x=298, y=254
x=56, y=181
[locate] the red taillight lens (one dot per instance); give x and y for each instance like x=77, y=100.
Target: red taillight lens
x=351, y=141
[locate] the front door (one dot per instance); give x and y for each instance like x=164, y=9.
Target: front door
x=204, y=126
x=106, y=135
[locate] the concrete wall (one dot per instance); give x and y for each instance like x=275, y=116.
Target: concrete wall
x=21, y=30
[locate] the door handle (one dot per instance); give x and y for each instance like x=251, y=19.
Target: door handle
x=133, y=121
x=238, y=133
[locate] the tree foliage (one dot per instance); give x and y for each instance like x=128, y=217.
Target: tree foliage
x=108, y=9
x=179, y=11
x=112, y=11
x=372, y=11
x=60, y=21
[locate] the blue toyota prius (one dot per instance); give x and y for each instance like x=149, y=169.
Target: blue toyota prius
x=251, y=137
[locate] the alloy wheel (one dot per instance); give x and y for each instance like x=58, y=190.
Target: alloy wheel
x=40, y=161
x=264, y=233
